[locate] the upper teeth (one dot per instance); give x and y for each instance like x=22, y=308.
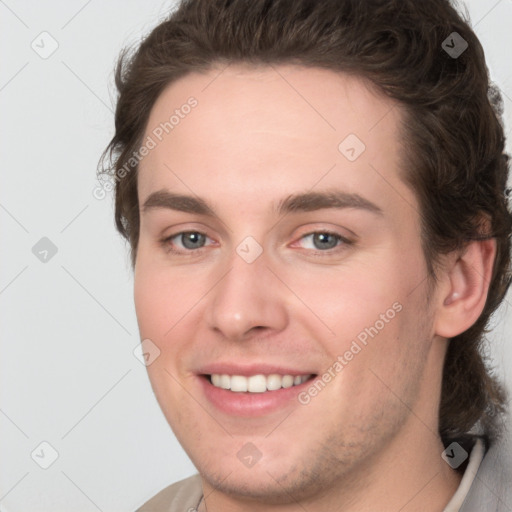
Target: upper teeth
x=257, y=383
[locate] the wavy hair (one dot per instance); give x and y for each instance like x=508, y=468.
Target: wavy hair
x=453, y=138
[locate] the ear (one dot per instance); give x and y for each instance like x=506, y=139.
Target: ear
x=463, y=287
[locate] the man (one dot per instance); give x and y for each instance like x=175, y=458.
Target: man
x=314, y=194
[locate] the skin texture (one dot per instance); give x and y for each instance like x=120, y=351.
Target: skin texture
x=368, y=440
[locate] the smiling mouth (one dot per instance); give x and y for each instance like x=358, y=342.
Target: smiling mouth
x=259, y=383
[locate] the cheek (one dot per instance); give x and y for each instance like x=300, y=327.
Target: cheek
x=366, y=317
x=346, y=301
x=158, y=309
x=167, y=304
x=150, y=302
x=162, y=296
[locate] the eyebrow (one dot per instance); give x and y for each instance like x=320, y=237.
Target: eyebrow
x=304, y=202
x=311, y=201
x=180, y=202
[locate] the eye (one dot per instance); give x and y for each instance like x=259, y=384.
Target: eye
x=323, y=241
x=186, y=241
x=192, y=242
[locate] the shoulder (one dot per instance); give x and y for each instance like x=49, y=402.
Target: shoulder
x=182, y=496
x=491, y=489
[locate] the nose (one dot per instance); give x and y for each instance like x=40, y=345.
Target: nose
x=247, y=301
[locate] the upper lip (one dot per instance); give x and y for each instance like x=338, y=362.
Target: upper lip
x=250, y=369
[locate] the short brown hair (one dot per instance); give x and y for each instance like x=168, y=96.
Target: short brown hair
x=452, y=129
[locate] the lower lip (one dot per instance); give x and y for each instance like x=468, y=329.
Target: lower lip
x=250, y=404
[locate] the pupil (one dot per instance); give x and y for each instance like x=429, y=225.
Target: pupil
x=323, y=239
x=192, y=240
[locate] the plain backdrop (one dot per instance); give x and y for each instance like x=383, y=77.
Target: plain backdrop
x=73, y=396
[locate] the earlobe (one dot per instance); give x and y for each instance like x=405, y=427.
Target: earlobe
x=465, y=289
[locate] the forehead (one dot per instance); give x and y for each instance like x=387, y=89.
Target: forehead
x=271, y=129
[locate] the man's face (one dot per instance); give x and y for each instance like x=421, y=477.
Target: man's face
x=268, y=284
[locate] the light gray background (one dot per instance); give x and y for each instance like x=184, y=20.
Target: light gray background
x=68, y=375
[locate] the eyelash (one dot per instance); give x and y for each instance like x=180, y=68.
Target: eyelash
x=166, y=243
